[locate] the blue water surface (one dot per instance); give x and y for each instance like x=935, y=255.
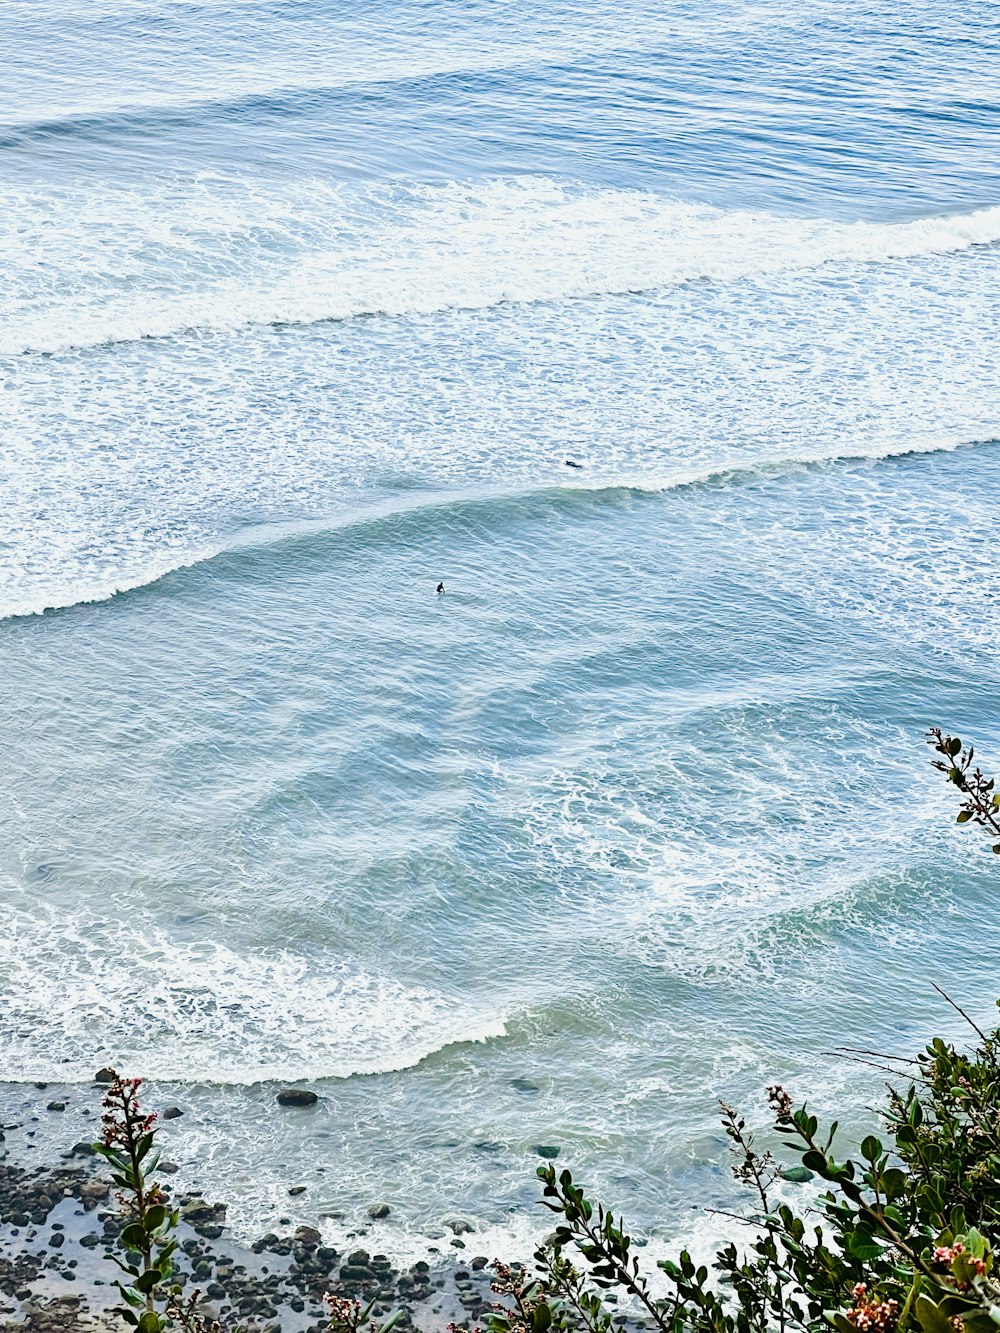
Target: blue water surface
x=303, y=309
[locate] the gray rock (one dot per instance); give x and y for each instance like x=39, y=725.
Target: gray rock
x=797, y=1175
x=458, y=1226
x=105, y=1075
x=56, y=1106
x=296, y=1190
x=356, y=1273
x=544, y=1151
x=524, y=1085
x=379, y=1210
x=172, y=1113
x=297, y=1097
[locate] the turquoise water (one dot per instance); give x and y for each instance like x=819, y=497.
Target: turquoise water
x=303, y=310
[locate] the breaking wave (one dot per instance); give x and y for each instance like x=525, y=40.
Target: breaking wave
x=82, y=993
x=387, y=515
x=219, y=256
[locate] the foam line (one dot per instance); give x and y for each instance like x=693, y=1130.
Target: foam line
x=220, y=257
x=395, y=510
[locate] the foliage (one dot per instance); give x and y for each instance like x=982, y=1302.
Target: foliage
x=901, y=1236
x=127, y=1143
x=981, y=804
x=349, y=1316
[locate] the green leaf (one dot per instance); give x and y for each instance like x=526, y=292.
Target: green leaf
x=133, y=1236
x=893, y=1182
x=861, y=1244
x=542, y=1318
x=954, y=745
x=155, y=1217
x=871, y=1149
x=150, y=1323
x=980, y=1321
x=976, y=1243
x=148, y=1280
x=964, y=817
x=932, y=1320
x=841, y=1323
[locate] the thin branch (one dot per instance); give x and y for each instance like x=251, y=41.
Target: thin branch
x=975, y=1026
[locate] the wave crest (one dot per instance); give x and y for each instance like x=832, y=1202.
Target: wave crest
x=219, y=255
x=382, y=517
x=82, y=993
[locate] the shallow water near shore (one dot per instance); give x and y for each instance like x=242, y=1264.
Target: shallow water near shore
x=304, y=311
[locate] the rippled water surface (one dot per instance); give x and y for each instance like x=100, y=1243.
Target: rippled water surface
x=303, y=308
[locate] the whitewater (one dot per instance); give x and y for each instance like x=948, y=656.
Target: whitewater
x=304, y=311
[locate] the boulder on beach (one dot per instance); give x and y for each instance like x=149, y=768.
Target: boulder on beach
x=105, y=1075
x=378, y=1211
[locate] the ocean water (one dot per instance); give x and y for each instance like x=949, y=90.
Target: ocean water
x=303, y=308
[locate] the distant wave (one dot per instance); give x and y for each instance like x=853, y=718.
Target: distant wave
x=239, y=95
x=379, y=516
x=216, y=256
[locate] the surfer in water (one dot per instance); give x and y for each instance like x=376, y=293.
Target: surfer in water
x=439, y=588
x=570, y=463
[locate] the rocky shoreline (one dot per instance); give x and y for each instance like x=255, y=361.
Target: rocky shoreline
x=59, y=1225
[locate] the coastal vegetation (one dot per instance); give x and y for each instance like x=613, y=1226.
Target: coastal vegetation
x=896, y=1234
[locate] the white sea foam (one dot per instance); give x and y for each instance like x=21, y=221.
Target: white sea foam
x=53, y=593
x=81, y=992
x=217, y=255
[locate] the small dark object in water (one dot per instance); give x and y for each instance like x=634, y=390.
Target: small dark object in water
x=570, y=463
x=439, y=588
x=297, y=1097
